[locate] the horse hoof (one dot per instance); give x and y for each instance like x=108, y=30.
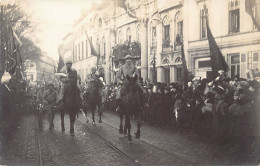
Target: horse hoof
x=94, y=123
x=72, y=134
x=129, y=140
x=63, y=129
x=100, y=121
x=120, y=131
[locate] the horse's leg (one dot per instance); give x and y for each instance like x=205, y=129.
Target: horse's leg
x=93, y=115
x=139, y=123
x=62, y=119
x=121, y=123
x=125, y=126
x=72, y=115
x=99, y=113
x=128, y=125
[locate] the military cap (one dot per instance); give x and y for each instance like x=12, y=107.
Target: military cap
x=128, y=57
x=68, y=62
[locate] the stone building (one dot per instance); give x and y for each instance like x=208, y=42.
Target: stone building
x=161, y=27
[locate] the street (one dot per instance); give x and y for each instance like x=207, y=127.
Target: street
x=101, y=144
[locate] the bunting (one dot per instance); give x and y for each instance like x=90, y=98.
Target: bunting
x=122, y=4
x=252, y=7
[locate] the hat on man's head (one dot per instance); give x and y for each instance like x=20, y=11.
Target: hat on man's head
x=50, y=84
x=68, y=62
x=128, y=57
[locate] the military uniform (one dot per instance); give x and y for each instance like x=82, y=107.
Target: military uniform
x=49, y=98
x=125, y=70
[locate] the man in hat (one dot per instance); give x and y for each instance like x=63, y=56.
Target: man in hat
x=49, y=100
x=97, y=80
x=69, y=80
x=128, y=69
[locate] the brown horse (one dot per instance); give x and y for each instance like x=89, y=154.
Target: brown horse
x=92, y=99
x=130, y=105
x=72, y=104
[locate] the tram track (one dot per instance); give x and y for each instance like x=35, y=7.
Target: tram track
x=108, y=143
x=158, y=148
x=189, y=162
x=37, y=140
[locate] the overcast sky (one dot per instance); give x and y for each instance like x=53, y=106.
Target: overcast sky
x=54, y=19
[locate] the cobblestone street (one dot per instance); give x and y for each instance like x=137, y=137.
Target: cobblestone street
x=157, y=146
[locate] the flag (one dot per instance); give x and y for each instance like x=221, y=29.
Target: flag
x=93, y=50
x=184, y=71
x=122, y=4
x=255, y=14
x=217, y=60
x=60, y=64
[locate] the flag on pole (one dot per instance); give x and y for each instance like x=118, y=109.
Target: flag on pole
x=253, y=9
x=217, y=60
x=93, y=50
x=60, y=64
x=122, y=4
x=184, y=71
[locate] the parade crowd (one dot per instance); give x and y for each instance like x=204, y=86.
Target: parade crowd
x=224, y=110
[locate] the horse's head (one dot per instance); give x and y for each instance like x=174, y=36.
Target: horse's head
x=131, y=84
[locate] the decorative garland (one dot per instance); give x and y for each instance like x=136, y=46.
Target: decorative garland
x=127, y=48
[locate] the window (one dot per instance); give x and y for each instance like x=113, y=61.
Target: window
x=235, y=65
x=234, y=16
x=166, y=32
x=78, y=51
x=203, y=25
x=120, y=39
x=138, y=33
x=128, y=34
x=202, y=64
x=154, y=42
x=255, y=60
x=86, y=48
x=76, y=55
x=82, y=48
x=104, y=49
x=179, y=24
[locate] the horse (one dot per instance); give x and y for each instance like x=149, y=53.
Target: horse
x=72, y=104
x=130, y=105
x=92, y=99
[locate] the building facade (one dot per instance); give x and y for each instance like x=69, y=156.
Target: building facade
x=41, y=69
x=162, y=27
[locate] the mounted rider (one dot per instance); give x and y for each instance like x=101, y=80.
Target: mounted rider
x=128, y=69
x=68, y=80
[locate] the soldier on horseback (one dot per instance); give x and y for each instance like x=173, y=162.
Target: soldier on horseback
x=127, y=69
x=69, y=95
x=92, y=96
x=129, y=91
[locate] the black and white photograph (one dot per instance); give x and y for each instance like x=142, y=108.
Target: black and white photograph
x=129, y=82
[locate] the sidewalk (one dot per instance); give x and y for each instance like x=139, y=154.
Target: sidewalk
x=21, y=148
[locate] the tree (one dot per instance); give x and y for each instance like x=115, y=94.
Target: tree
x=14, y=20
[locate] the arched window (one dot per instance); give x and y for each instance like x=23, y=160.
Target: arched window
x=166, y=61
x=138, y=33
x=128, y=35
x=98, y=46
x=166, y=32
x=178, y=60
x=178, y=27
x=104, y=48
x=120, y=37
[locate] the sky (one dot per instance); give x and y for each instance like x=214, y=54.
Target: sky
x=53, y=20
